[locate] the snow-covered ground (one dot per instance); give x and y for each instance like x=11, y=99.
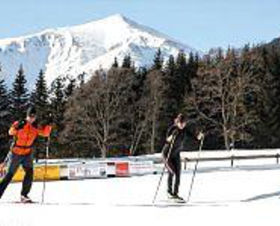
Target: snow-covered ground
x=243, y=195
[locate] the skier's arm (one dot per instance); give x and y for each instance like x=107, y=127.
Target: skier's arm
x=14, y=129
x=169, y=139
x=170, y=133
x=45, y=128
x=193, y=132
x=45, y=131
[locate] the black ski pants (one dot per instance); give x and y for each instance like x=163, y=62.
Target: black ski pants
x=15, y=161
x=173, y=165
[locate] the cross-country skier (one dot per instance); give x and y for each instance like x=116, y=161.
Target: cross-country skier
x=24, y=132
x=176, y=135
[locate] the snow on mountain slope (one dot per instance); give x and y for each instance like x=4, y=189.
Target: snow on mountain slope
x=83, y=48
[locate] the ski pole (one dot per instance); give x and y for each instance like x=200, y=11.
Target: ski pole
x=195, y=169
x=159, y=182
x=45, y=172
x=8, y=156
x=163, y=170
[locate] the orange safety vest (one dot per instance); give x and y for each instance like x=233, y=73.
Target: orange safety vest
x=25, y=137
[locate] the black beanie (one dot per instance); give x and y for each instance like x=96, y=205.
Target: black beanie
x=31, y=111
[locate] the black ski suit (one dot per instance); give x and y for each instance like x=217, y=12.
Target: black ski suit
x=171, y=153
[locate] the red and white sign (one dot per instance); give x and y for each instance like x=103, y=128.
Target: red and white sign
x=122, y=169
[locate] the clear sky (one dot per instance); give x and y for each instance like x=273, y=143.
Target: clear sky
x=202, y=24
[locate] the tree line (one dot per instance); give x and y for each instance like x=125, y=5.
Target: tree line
x=232, y=95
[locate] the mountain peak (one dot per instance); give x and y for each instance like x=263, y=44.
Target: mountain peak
x=112, y=19
x=116, y=17
x=85, y=48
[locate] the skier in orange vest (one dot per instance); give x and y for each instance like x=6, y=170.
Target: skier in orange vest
x=24, y=132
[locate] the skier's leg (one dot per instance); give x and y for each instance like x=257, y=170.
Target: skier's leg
x=177, y=170
x=13, y=165
x=169, y=183
x=27, y=164
x=170, y=167
x=165, y=150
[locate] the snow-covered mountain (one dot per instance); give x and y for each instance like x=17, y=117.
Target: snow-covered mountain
x=83, y=48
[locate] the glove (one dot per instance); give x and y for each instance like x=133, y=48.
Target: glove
x=169, y=139
x=200, y=136
x=21, y=124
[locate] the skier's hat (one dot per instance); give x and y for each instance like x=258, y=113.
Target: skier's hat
x=31, y=111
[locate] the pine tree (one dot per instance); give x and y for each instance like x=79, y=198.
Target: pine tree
x=274, y=67
x=19, y=96
x=81, y=78
x=182, y=75
x=266, y=104
x=192, y=66
x=5, y=119
x=70, y=88
x=4, y=100
x=115, y=64
x=168, y=91
x=39, y=97
x=127, y=62
x=135, y=113
x=158, y=60
x=58, y=103
x=57, y=109
x=176, y=82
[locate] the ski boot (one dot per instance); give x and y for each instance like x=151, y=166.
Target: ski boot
x=25, y=199
x=176, y=198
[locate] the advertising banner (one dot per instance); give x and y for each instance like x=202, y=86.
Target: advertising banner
x=141, y=168
x=40, y=173
x=92, y=170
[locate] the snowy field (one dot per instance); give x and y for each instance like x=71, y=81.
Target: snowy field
x=243, y=195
